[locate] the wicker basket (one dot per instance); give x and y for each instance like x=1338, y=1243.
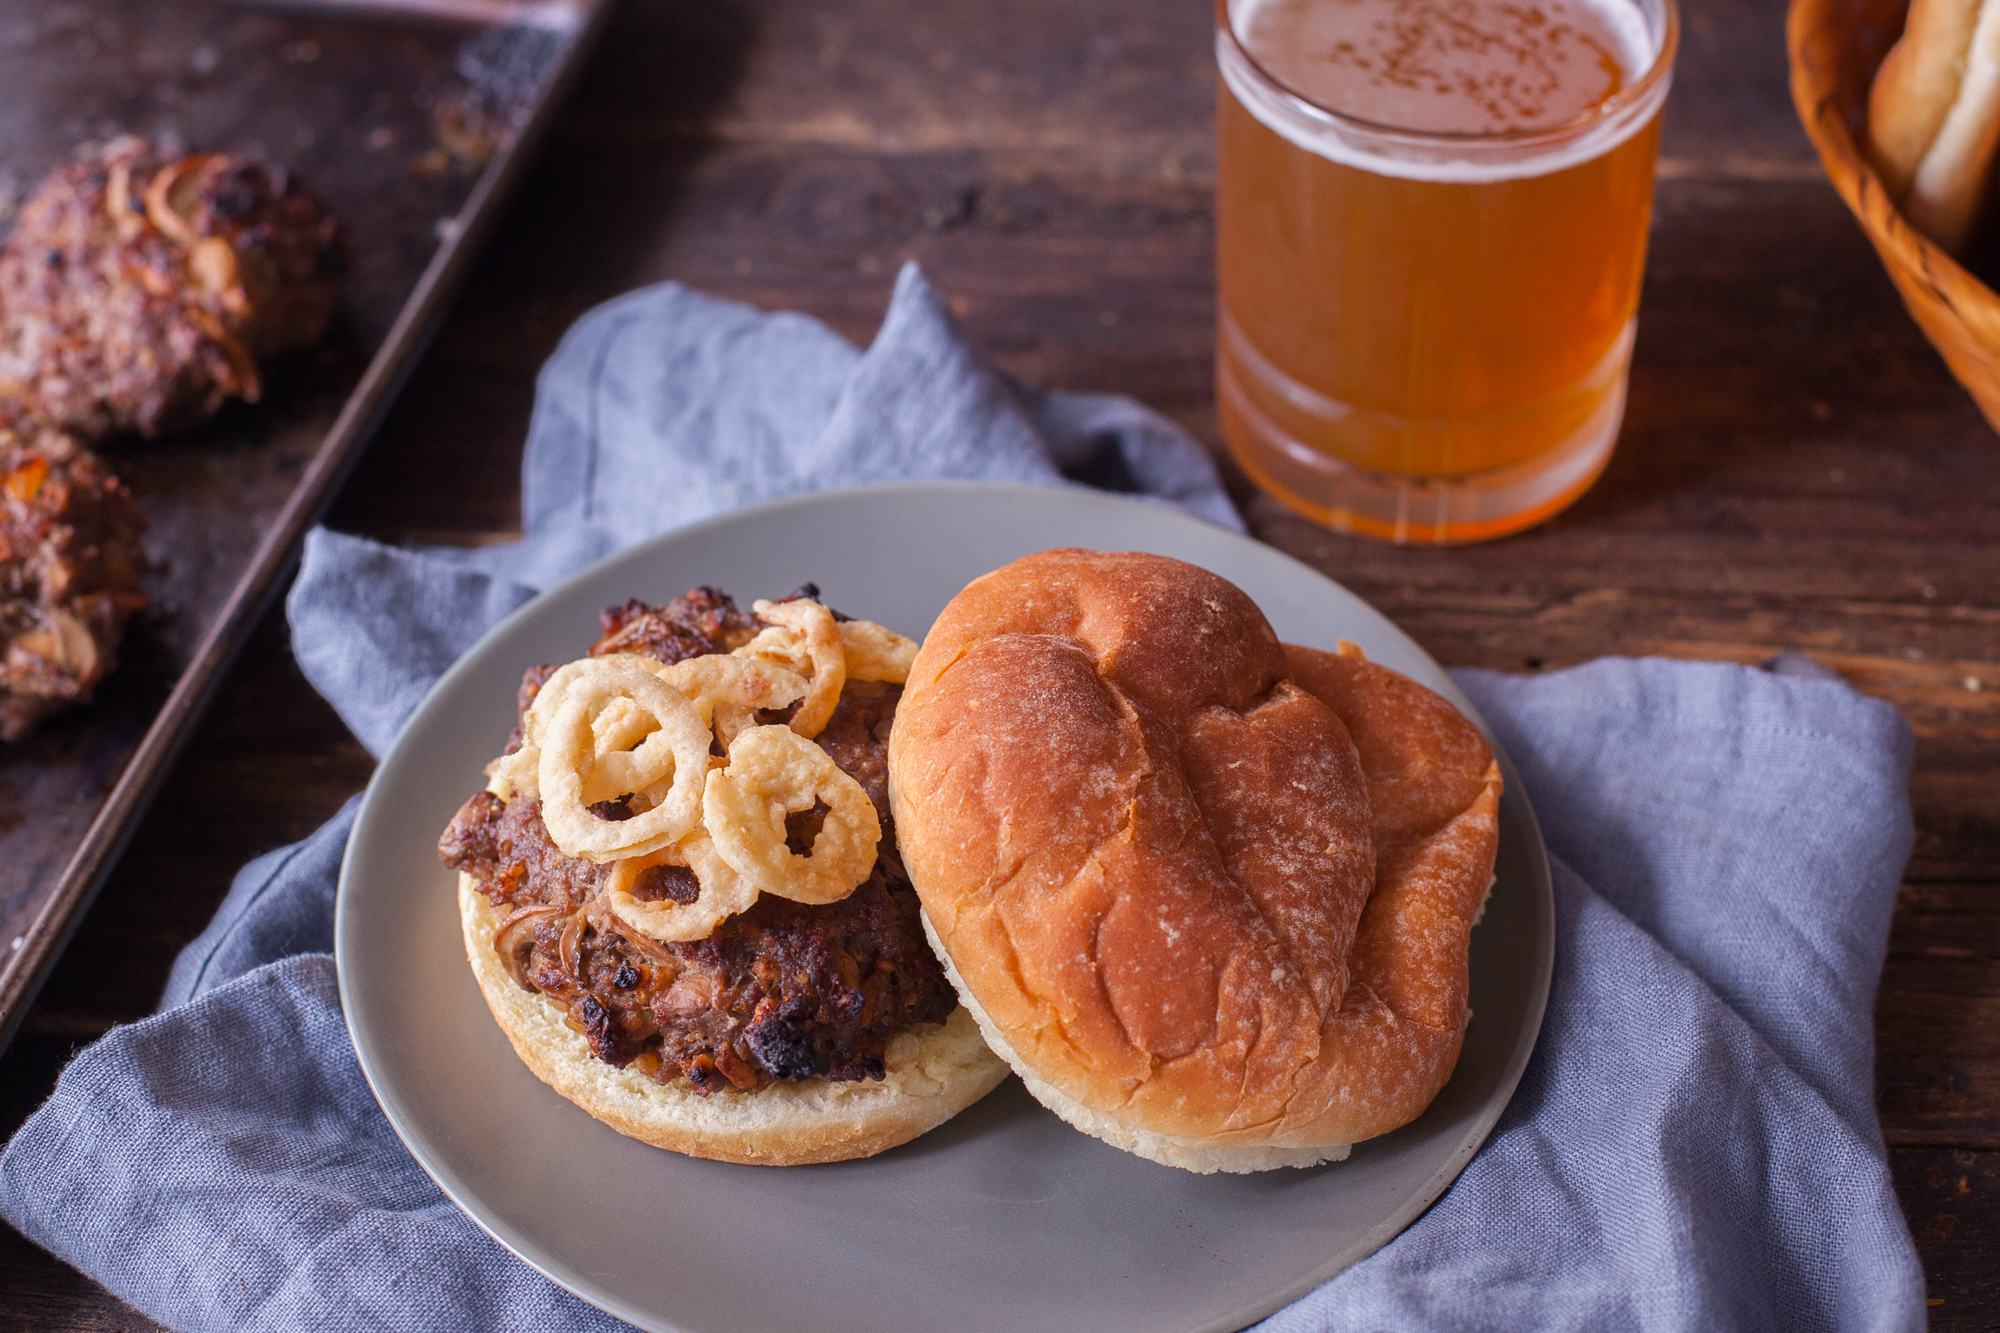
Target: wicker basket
x=1836, y=46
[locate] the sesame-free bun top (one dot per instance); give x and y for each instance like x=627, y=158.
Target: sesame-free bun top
x=1210, y=895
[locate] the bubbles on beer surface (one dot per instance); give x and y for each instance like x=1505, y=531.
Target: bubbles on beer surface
x=1449, y=66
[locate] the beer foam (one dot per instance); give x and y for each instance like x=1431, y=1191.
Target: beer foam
x=1454, y=158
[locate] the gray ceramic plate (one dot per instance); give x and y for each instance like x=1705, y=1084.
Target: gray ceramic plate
x=1003, y=1219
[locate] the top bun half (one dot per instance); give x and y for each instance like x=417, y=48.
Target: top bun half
x=1209, y=894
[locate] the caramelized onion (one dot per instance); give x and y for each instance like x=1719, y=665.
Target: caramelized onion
x=605, y=922
x=691, y=993
x=243, y=380
x=126, y=221
x=509, y=943
x=160, y=197
x=566, y=947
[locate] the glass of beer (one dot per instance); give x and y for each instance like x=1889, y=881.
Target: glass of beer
x=1430, y=229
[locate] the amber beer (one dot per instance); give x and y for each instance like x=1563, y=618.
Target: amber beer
x=1431, y=225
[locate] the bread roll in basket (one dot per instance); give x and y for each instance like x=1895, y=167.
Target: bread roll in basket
x=1836, y=47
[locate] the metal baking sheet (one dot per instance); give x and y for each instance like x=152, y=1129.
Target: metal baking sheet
x=411, y=118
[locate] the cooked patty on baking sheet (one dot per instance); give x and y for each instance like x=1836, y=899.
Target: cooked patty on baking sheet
x=781, y=991
x=139, y=289
x=70, y=567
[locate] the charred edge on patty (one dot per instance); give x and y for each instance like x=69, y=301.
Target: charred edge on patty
x=140, y=289
x=782, y=991
x=70, y=568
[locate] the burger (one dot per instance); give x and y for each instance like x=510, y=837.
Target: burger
x=782, y=887
x=681, y=895
x=1210, y=895
x=71, y=568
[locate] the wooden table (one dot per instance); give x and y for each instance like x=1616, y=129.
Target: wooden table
x=1797, y=469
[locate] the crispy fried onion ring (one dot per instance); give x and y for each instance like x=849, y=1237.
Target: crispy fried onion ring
x=621, y=726
x=876, y=653
x=803, y=636
x=773, y=772
x=726, y=693
x=729, y=690
x=611, y=728
x=723, y=892
x=869, y=651
x=668, y=768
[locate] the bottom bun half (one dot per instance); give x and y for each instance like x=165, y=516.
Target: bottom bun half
x=934, y=1072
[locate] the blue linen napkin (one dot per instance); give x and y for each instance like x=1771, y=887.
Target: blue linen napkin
x=1694, y=1145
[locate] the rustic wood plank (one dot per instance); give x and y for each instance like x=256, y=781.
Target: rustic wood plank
x=1953, y=1202
x=41, y=1294
x=1937, y=1072
x=1111, y=80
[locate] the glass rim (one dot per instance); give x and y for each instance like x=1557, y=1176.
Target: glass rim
x=1622, y=100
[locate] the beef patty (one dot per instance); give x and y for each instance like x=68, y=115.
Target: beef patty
x=139, y=289
x=781, y=991
x=70, y=567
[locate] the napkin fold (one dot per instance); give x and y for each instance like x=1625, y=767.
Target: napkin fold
x=1694, y=1145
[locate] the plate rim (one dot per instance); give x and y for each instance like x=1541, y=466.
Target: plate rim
x=1515, y=804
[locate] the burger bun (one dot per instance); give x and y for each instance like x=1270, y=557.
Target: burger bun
x=1210, y=895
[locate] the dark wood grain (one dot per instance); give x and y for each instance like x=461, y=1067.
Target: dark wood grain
x=1797, y=470
x=40, y=1293
x=1952, y=1197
